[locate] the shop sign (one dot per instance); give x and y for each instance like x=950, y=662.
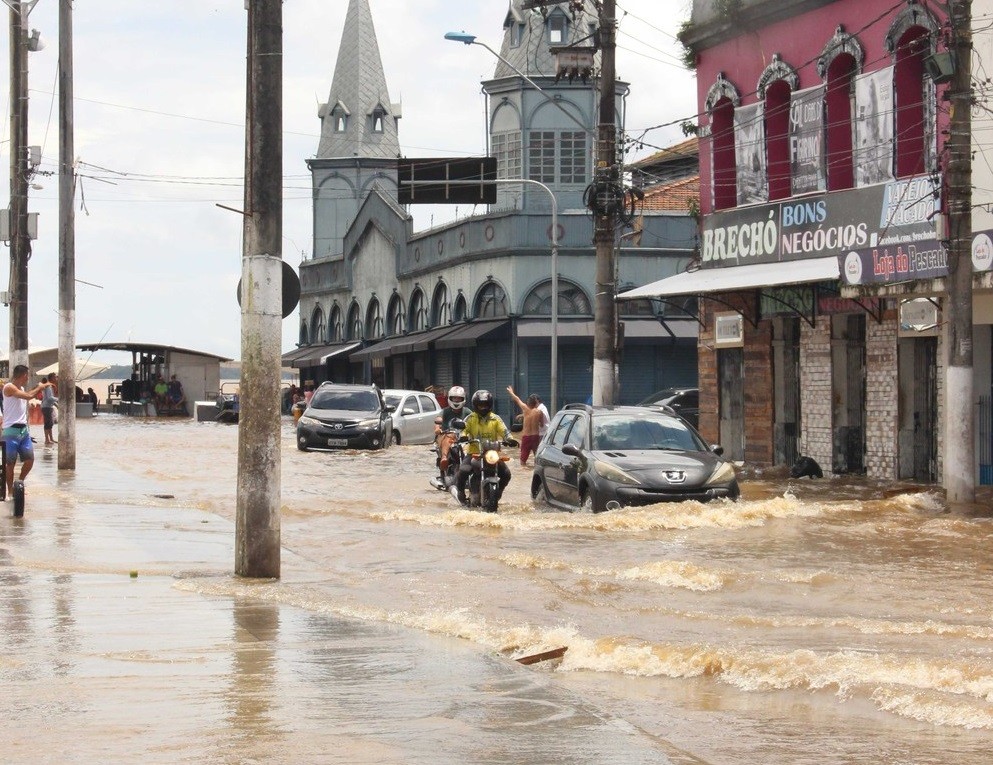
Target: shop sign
x=781, y=301
x=807, y=140
x=982, y=251
x=899, y=263
x=729, y=330
x=918, y=317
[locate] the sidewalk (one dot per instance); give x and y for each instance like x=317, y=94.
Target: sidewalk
x=185, y=663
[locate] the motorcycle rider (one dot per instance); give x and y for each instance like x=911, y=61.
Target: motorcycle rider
x=483, y=424
x=443, y=437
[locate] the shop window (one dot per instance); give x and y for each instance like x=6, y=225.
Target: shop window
x=725, y=167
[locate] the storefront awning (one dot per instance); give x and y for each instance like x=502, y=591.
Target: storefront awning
x=315, y=355
x=469, y=334
x=421, y=341
x=633, y=328
x=731, y=278
x=379, y=350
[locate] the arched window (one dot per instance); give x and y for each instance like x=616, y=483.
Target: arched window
x=838, y=64
x=317, y=327
x=440, y=306
x=491, y=301
x=304, y=334
x=395, y=323
x=461, y=310
x=418, y=316
x=910, y=88
x=722, y=98
x=335, y=333
x=777, y=82
x=572, y=300
x=378, y=117
x=373, y=320
x=354, y=327
x=339, y=117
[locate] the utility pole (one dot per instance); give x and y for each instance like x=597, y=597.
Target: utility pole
x=20, y=243
x=605, y=209
x=959, y=464
x=67, y=247
x=257, y=538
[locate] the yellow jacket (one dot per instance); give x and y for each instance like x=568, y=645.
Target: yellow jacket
x=490, y=428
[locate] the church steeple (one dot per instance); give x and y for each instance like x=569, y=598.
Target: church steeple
x=359, y=120
x=529, y=35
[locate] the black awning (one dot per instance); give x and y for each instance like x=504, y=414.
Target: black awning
x=421, y=341
x=469, y=334
x=381, y=349
x=315, y=355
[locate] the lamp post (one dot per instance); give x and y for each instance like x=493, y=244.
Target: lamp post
x=468, y=39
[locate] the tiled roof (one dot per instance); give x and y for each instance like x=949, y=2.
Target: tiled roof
x=686, y=149
x=359, y=85
x=672, y=197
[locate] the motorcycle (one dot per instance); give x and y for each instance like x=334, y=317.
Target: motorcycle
x=484, y=482
x=446, y=479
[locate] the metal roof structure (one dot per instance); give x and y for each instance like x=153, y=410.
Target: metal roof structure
x=149, y=348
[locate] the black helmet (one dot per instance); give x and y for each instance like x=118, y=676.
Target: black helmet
x=482, y=402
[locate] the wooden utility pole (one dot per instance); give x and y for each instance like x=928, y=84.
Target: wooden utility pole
x=20, y=243
x=257, y=541
x=607, y=179
x=959, y=463
x=67, y=247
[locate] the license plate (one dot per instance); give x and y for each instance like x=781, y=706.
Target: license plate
x=337, y=442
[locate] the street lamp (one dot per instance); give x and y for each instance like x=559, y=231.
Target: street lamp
x=468, y=39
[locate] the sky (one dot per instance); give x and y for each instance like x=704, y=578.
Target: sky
x=159, y=140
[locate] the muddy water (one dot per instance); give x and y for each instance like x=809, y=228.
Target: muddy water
x=814, y=622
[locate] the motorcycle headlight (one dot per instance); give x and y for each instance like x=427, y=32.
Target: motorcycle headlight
x=492, y=457
x=724, y=473
x=613, y=473
x=308, y=421
x=368, y=424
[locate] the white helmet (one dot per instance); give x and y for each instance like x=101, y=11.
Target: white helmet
x=456, y=397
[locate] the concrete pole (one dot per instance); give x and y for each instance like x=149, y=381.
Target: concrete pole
x=67, y=247
x=257, y=539
x=605, y=220
x=960, y=457
x=20, y=244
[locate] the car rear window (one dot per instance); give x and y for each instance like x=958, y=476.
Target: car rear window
x=347, y=400
x=615, y=432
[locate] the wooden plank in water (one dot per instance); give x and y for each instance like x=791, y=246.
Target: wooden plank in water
x=555, y=653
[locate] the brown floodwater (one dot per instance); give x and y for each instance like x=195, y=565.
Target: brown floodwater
x=829, y=621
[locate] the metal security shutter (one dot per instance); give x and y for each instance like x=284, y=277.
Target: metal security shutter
x=539, y=372
x=677, y=365
x=575, y=374
x=639, y=369
x=494, y=374
x=443, y=373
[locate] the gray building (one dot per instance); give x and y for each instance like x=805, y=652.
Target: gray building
x=470, y=302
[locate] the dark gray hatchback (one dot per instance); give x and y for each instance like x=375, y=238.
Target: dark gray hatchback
x=343, y=416
x=603, y=458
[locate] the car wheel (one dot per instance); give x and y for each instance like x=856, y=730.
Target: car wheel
x=590, y=503
x=538, y=490
x=396, y=437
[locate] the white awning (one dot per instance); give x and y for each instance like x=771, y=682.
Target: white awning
x=754, y=276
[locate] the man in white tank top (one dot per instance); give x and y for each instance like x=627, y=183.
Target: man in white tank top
x=16, y=436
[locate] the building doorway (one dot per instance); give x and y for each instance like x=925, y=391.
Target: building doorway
x=731, y=373
x=848, y=386
x=786, y=390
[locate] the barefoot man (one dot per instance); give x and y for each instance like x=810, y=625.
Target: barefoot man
x=534, y=418
x=16, y=435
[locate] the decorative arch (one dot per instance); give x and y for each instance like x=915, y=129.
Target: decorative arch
x=417, y=316
x=373, y=319
x=353, y=327
x=722, y=88
x=490, y=302
x=460, y=311
x=777, y=70
x=572, y=300
x=441, y=306
x=318, y=329
x=914, y=15
x=304, y=337
x=396, y=322
x=841, y=44
x=335, y=330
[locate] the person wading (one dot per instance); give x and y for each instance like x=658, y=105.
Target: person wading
x=534, y=418
x=16, y=435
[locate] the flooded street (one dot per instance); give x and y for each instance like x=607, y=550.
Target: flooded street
x=811, y=622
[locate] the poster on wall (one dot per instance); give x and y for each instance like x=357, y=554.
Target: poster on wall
x=807, y=140
x=749, y=154
x=874, y=127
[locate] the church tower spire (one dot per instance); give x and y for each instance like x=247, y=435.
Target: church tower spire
x=359, y=120
x=359, y=143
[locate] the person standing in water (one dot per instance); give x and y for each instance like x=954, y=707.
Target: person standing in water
x=16, y=436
